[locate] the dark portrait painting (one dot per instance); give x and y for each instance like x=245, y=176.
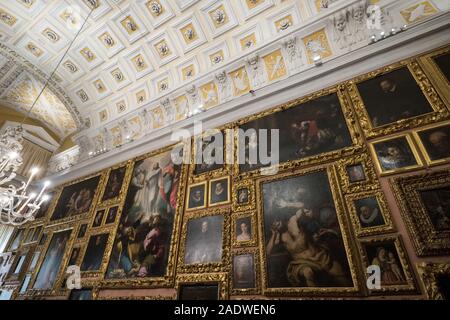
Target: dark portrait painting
x=76, y=199
x=98, y=218
x=197, y=196
x=45, y=206
x=204, y=240
x=74, y=255
x=81, y=294
x=209, y=152
x=82, y=231
x=114, y=184
x=94, y=253
x=243, y=229
x=311, y=128
x=436, y=142
x=51, y=264
x=392, y=97
x=302, y=236
x=242, y=196
x=369, y=212
x=394, y=154
x=385, y=256
x=443, y=62
x=142, y=245
x=437, y=206
x=356, y=173
x=243, y=271
x=112, y=214
x=199, y=292
x=218, y=191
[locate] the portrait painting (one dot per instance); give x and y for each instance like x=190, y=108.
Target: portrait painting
x=199, y=292
x=74, y=255
x=95, y=250
x=303, y=240
x=76, y=199
x=205, y=149
x=80, y=294
x=443, y=62
x=311, y=128
x=112, y=214
x=114, y=184
x=204, y=240
x=98, y=218
x=436, y=143
x=244, y=271
x=142, y=244
x=82, y=231
x=219, y=191
x=392, y=97
x=243, y=229
x=243, y=195
x=196, y=196
x=437, y=206
x=356, y=173
x=395, y=154
x=48, y=271
x=369, y=212
x=384, y=254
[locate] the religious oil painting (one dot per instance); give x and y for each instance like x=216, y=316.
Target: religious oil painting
x=142, y=245
x=114, y=184
x=244, y=271
x=51, y=264
x=93, y=256
x=395, y=154
x=435, y=142
x=209, y=152
x=311, y=128
x=204, y=240
x=369, y=212
x=392, y=97
x=76, y=199
x=199, y=292
x=303, y=240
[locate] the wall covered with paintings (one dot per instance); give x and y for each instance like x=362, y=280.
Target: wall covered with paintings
x=363, y=180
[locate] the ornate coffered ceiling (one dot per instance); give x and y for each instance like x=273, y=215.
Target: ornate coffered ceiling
x=139, y=65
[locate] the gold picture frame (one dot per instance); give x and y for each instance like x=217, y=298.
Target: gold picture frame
x=257, y=282
x=440, y=111
x=384, y=211
x=365, y=162
x=426, y=238
x=254, y=230
x=205, y=197
x=210, y=190
x=122, y=191
x=219, y=266
x=353, y=265
x=429, y=274
x=409, y=285
x=105, y=259
x=221, y=278
x=250, y=204
x=423, y=148
x=410, y=144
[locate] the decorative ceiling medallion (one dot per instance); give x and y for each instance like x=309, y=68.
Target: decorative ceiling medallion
x=284, y=23
x=118, y=75
x=7, y=18
x=51, y=35
x=317, y=45
x=217, y=57
x=418, y=12
x=121, y=106
x=35, y=51
x=241, y=82
x=275, y=65
x=141, y=96
x=82, y=95
x=219, y=16
x=139, y=63
x=163, y=85
x=188, y=72
x=107, y=40
x=103, y=115
x=71, y=18
x=252, y=4
x=99, y=86
x=27, y=3
x=69, y=65
x=189, y=33
x=248, y=42
x=92, y=4
x=88, y=54
x=129, y=25
x=163, y=49
x=155, y=8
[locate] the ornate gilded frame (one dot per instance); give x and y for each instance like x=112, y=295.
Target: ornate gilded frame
x=411, y=145
x=257, y=289
x=251, y=203
x=440, y=110
x=385, y=212
x=422, y=146
x=429, y=273
x=427, y=241
x=410, y=285
x=363, y=159
x=150, y=282
x=188, y=192
x=221, y=266
x=204, y=278
x=348, y=115
x=254, y=240
x=119, y=198
x=346, y=238
x=14, y=278
x=105, y=259
x=227, y=201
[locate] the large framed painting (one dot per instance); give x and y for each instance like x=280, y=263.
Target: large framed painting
x=305, y=243
x=51, y=264
x=76, y=199
x=318, y=124
x=425, y=206
x=95, y=251
x=144, y=245
x=114, y=184
x=434, y=142
x=43, y=210
x=395, y=98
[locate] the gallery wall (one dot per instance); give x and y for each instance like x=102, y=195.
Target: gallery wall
x=363, y=180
